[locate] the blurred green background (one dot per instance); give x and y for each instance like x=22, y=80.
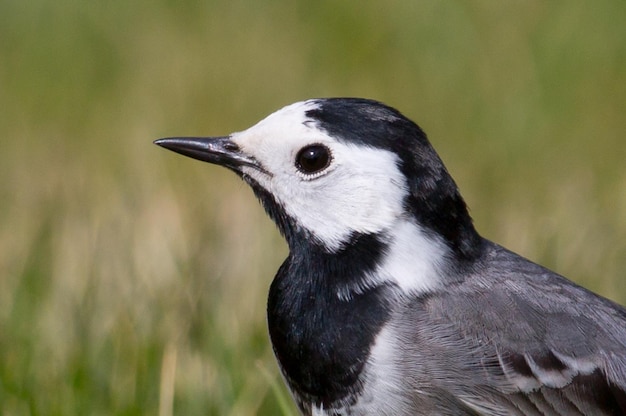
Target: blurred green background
x=133, y=281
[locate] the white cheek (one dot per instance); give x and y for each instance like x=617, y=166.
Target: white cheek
x=363, y=193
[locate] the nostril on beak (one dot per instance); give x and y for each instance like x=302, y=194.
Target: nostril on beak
x=231, y=147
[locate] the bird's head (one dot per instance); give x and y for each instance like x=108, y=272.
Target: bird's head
x=330, y=170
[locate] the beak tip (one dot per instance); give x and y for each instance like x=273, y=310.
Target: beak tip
x=160, y=142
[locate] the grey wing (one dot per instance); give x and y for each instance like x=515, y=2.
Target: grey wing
x=525, y=342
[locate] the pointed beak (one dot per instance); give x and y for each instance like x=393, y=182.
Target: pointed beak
x=217, y=150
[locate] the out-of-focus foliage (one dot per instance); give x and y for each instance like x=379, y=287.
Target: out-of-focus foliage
x=133, y=281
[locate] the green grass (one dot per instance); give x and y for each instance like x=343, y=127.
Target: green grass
x=133, y=281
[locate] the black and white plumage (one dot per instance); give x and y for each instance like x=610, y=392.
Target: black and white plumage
x=390, y=303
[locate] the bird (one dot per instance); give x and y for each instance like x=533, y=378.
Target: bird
x=389, y=301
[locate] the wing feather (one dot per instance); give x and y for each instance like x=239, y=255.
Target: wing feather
x=517, y=338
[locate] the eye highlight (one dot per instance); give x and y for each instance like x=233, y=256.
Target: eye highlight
x=313, y=159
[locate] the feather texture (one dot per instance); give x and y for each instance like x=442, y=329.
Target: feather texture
x=512, y=339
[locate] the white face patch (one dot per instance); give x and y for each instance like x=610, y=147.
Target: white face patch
x=361, y=191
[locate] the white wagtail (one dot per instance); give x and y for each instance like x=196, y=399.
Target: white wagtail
x=390, y=302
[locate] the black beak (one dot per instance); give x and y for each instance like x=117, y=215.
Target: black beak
x=218, y=150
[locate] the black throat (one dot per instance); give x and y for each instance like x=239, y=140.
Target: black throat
x=322, y=339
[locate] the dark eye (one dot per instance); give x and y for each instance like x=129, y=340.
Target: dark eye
x=312, y=159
